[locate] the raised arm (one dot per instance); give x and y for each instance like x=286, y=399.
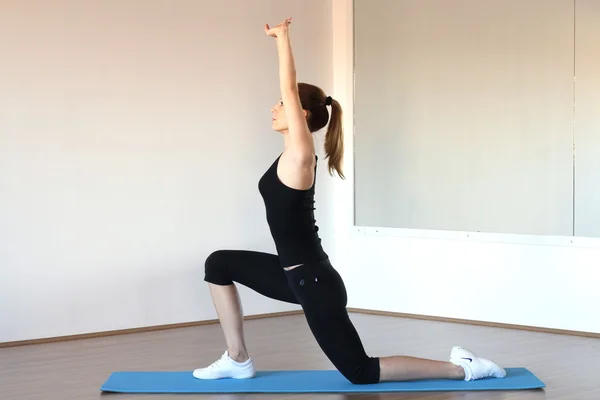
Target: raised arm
x=300, y=142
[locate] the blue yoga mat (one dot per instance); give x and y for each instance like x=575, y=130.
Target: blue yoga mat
x=319, y=381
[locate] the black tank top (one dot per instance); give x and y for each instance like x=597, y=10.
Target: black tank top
x=291, y=219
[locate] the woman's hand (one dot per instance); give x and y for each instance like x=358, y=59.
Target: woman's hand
x=280, y=30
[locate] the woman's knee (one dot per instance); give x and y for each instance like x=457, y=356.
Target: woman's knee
x=215, y=268
x=363, y=373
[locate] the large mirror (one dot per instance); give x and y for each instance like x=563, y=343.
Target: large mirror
x=468, y=116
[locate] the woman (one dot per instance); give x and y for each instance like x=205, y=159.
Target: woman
x=301, y=273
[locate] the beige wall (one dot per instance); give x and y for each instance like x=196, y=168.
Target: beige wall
x=132, y=137
x=112, y=192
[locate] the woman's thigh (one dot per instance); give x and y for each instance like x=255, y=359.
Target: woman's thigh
x=258, y=271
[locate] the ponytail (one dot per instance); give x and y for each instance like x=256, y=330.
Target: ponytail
x=334, y=140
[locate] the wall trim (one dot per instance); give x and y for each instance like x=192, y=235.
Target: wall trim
x=593, y=335
x=144, y=329
x=296, y=312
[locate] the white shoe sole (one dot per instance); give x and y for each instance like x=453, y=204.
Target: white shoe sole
x=199, y=375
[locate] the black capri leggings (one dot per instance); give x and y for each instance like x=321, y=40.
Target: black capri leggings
x=317, y=287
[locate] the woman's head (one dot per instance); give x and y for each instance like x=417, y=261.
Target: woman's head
x=315, y=104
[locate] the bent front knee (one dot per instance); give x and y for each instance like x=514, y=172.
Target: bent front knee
x=215, y=269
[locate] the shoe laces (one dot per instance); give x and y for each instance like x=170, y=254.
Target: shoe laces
x=220, y=362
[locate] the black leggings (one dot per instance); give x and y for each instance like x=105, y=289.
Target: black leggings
x=317, y=287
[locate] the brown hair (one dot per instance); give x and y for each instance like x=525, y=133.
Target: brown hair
x=315, y=102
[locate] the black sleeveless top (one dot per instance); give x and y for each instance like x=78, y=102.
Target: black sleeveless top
x=291, y=219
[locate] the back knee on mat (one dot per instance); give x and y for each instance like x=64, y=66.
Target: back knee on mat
x=364, y=373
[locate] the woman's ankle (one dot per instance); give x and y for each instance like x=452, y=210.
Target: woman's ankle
x=239, y=355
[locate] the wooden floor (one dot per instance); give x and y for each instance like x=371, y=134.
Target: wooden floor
x=570, y=366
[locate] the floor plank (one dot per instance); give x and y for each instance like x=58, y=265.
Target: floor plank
x=76, y=369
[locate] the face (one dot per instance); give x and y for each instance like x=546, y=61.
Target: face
x=279, y=121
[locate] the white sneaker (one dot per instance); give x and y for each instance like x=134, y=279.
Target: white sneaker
x=475, y=367
x=226, y=367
